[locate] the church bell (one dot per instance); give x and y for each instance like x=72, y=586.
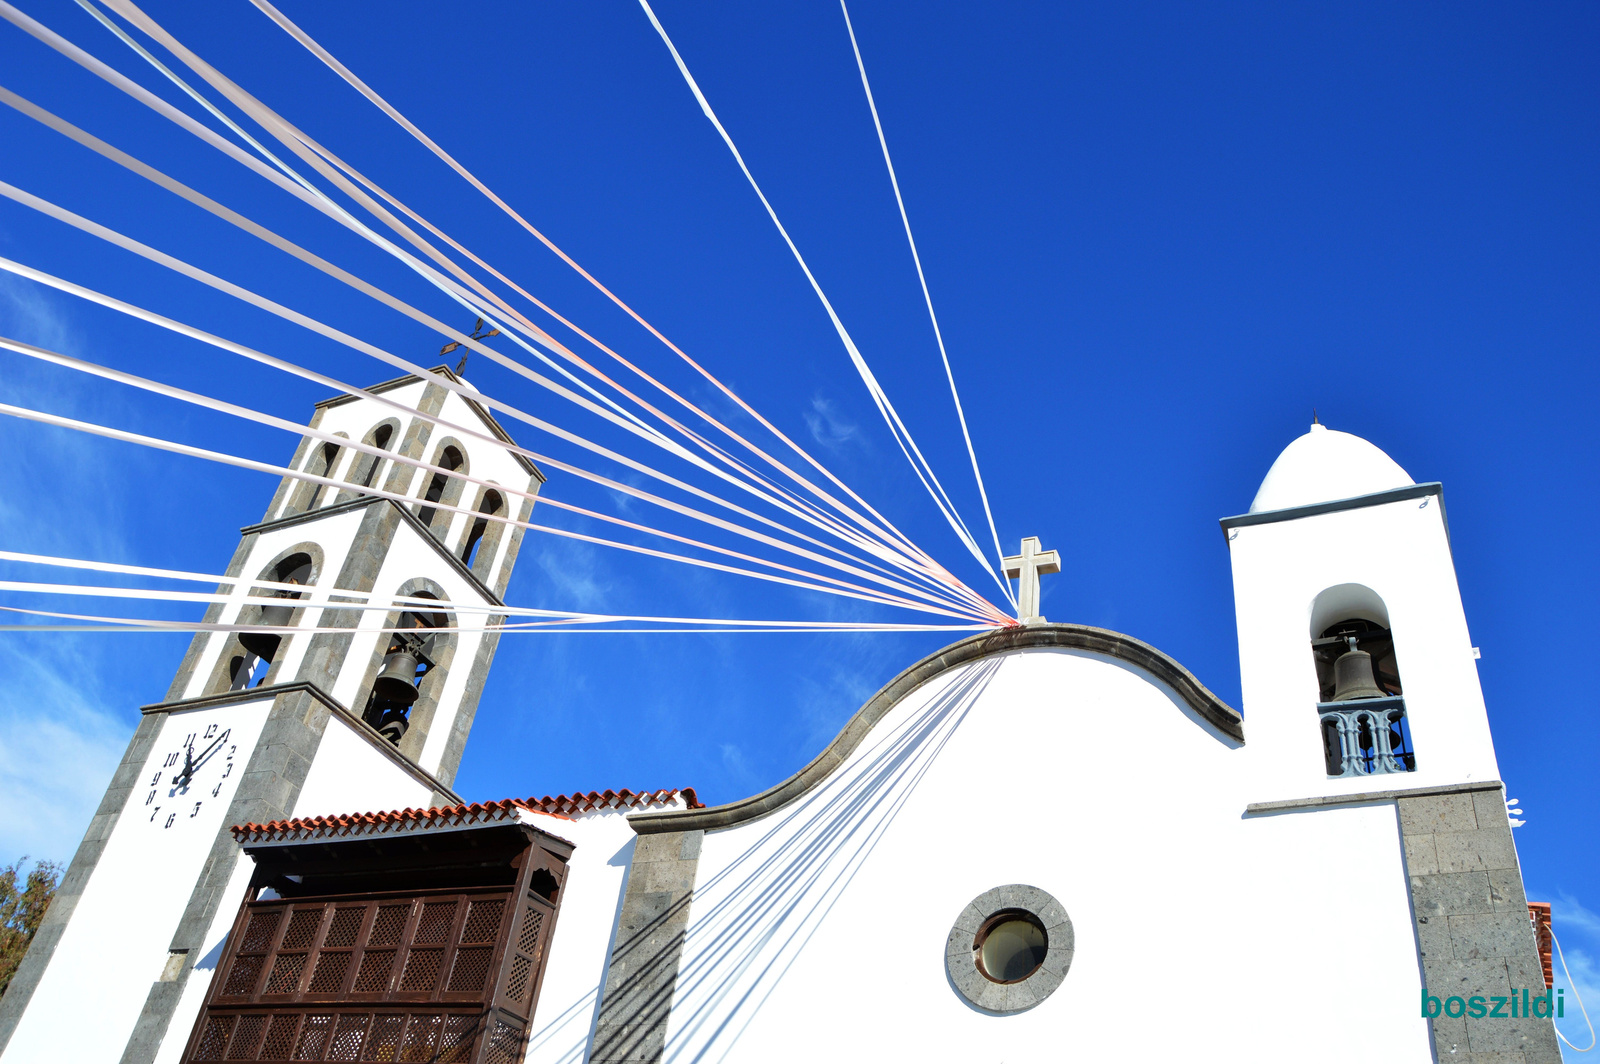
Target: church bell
x=397, y=681
x=1353, y=677
x=265, y=644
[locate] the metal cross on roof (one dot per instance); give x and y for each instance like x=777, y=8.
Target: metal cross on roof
x=1027, y=567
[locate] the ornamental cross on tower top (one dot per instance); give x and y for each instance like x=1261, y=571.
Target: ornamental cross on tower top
x=1027, y=567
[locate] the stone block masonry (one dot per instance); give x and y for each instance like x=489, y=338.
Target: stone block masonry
x=1473, y=931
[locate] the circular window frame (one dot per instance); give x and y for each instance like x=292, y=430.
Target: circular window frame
x=987, y=911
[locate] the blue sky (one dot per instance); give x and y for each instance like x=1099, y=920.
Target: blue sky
x=1157, y=237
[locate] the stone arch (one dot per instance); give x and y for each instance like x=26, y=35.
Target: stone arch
x=321, y=461
x=304, y=561
x=367, y=469
x=450, y=454
x=1353, y=609
x=1360, y=701
x=480, y=541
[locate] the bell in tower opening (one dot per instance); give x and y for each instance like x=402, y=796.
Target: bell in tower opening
x=1355, y=660
x=1363, y=716
x=261, y=648
x=406, y=661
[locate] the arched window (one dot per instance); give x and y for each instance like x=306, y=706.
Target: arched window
x=449, y=458
x=1361, y=703
x=260, y=648
x=407, y=660
x=491, y=505
x=322, y=462
x=368, y=466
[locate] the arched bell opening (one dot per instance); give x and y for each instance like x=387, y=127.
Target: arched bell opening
x=481, y=543
x=366, y=470
x=1361, y=701
x=1355, y=660
x=248, y=658
x=322, y=463
x=442, y=488
x=410, y=670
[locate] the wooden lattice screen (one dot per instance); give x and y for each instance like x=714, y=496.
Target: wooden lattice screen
x=433, y=975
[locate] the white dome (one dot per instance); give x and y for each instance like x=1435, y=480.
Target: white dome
x=1325, y=465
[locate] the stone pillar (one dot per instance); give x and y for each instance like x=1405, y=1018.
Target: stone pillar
x=1473, y=931
x=643, y=974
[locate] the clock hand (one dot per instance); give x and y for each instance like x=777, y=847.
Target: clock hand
x=187, y=772
x=212, y=749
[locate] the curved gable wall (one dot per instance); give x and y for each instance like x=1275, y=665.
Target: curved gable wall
x=811, y=922
x=1123, y=648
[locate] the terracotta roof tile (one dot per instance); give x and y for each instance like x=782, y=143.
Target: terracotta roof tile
x=563, y=806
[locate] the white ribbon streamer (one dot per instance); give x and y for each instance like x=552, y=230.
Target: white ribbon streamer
x=927, y=297
x=897, y=428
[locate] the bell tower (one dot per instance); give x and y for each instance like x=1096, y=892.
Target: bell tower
x=1367, y=725
x=1357, y=668
x=349, y=708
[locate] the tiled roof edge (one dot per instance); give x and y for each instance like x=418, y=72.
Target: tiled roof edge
x=565, y=806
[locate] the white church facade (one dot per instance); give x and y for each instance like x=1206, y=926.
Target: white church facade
x=1050, y=842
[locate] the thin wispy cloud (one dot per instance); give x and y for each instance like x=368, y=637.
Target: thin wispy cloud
x=63, y=714
x=1578, y=929
x=572, y=580
x=60, y=741
x=734, y=761
x=829, y=427
x=28, y=314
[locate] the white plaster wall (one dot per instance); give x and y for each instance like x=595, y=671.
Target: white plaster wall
x=581, y=949
x=116, y=944
x=818, y=932
x=485, y=461
x=488, y=461
x=355, y=419
x=1399, y=550
x=198, y=984
x=350, y=776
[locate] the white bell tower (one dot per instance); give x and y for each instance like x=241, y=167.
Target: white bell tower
x=1340, y=543
x=260, y=727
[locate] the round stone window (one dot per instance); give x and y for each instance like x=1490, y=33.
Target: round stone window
x=1009, y=949
x=1011, y=945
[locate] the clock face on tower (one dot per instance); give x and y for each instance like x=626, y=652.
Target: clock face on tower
x=193, y=769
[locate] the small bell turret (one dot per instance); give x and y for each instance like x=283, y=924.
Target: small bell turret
x=1353, y=676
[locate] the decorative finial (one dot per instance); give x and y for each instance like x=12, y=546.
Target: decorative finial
x=477, y=334
x=1314, y=420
